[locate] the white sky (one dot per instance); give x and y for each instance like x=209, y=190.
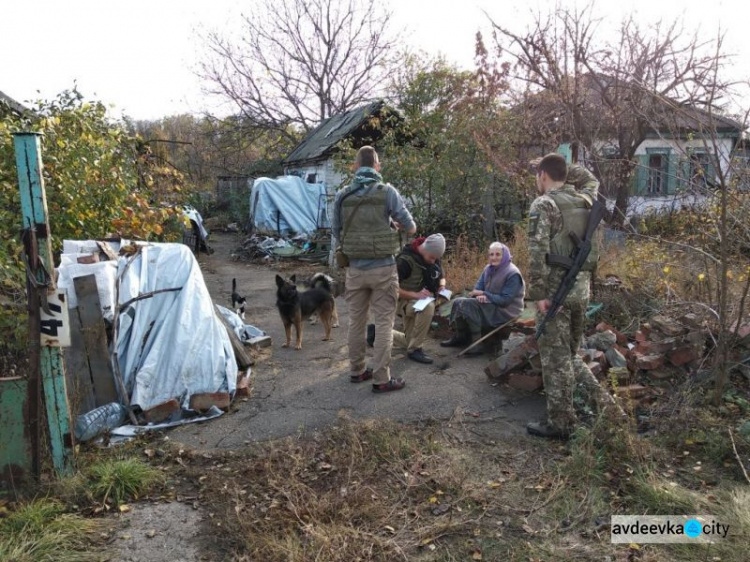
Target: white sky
x=140, y=56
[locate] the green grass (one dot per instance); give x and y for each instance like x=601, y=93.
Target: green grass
x=42, y=531
x=116, y=481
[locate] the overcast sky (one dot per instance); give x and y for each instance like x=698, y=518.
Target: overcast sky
x=141, y=56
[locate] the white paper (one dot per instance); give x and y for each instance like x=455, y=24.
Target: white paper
x=421, y=304
x=445, y=293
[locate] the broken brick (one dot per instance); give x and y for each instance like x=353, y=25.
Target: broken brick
x=643, y=348
x=691, y=320
x=243, y=384
x=649, y=362
x=632, y=391
x=522, y=381
x=615, y=358
x=203, y=401
x=601, y=340
x=515, y=360
x=595, y=368
x=667, y=326
x=88, y=259
x=663, y=346
x=661, y=374
x=683, y=355
x=162, y=411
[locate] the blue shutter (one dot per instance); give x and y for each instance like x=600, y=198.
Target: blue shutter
x=640, y=178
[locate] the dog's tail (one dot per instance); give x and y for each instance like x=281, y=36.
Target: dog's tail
x=234, y=285
x=321, y=281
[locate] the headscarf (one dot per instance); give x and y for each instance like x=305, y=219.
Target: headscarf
x=504, y=260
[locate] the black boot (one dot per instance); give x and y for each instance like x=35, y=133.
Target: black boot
x=456, y=340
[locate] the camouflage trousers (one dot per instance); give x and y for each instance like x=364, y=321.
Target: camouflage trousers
x=563, y=370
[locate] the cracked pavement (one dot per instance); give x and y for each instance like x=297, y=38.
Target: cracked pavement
x=294, y=392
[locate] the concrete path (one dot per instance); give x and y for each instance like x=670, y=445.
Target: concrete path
x=298, y=391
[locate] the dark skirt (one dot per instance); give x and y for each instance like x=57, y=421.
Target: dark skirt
x=476, y=314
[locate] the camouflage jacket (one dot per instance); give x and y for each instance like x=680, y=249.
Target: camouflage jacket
x=545, y=222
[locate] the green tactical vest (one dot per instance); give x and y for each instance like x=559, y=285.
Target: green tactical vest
x=415, y=281
x=575, y=211
x=368, y=234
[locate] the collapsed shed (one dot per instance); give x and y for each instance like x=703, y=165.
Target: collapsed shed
x=145, y=332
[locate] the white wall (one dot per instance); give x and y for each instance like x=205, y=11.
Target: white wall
x=680, y=147
x=325, y=173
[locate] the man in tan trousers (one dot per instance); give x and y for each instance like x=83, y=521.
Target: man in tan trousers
x=420, y=275
x=366, y=217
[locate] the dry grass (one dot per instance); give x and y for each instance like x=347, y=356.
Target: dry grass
x=42, y=531
x=382, y=491
x=465, y=261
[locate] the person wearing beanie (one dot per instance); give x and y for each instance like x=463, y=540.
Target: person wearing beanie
x=497, y=298
x=420, y=275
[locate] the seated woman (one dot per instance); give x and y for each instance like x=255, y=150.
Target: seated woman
x=496, y=299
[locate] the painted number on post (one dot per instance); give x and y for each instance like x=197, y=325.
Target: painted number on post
x=56, y=326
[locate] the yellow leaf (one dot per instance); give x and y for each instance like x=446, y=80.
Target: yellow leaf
x=433, y=499
x=634, y=546
x=701, y=277
x=667, y=269
x=124, y=508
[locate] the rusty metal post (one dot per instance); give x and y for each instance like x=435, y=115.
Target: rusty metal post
x=45, y=317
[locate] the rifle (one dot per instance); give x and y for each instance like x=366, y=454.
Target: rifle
x=582, y=253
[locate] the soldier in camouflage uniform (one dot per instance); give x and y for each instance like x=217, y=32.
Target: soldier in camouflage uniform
x=566, y=195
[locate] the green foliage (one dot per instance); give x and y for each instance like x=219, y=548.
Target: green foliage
x=450, y=155
x=42, y=531
x=99, y=182
x=118, y=480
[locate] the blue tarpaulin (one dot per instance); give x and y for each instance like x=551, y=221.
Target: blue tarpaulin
x=288, y=205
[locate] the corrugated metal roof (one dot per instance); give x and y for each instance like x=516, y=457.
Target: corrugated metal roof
x=324, y=138
x=13, y=104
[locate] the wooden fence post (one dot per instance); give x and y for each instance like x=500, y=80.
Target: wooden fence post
x=49, y=330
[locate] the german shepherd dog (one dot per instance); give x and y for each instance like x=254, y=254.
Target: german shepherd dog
x=323, y=281
x=295, y=306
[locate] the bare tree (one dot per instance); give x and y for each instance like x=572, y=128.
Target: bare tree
x=603, y=96
x=301, y=61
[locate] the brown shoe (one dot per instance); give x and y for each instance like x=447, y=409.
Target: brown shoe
x=365, y=375
x=393, y=384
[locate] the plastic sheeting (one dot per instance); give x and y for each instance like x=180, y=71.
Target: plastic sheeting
x=170, y=344
x=288, y=205
x=195, y=216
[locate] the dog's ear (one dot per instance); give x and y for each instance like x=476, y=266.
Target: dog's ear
x=279, y=281
x=293, y=278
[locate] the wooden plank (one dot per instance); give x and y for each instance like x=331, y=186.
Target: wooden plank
x=240, y=353
x=50, y=366
x=95, y=340
x=77, y=371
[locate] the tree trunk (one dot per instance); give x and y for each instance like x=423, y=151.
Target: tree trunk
x=622, y=177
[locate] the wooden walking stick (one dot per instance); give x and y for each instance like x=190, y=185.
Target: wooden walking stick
x=480, y=340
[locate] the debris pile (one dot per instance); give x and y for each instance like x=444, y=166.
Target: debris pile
x=146, y=340
x=259, y=248
x=658, y=352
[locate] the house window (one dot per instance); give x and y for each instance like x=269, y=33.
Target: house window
x=657, y=174
x=700, y=170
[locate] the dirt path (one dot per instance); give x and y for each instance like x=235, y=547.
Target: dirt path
x=298, y=391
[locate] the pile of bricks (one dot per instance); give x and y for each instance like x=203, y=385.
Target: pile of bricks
x=668, y=347
x=663, y=349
